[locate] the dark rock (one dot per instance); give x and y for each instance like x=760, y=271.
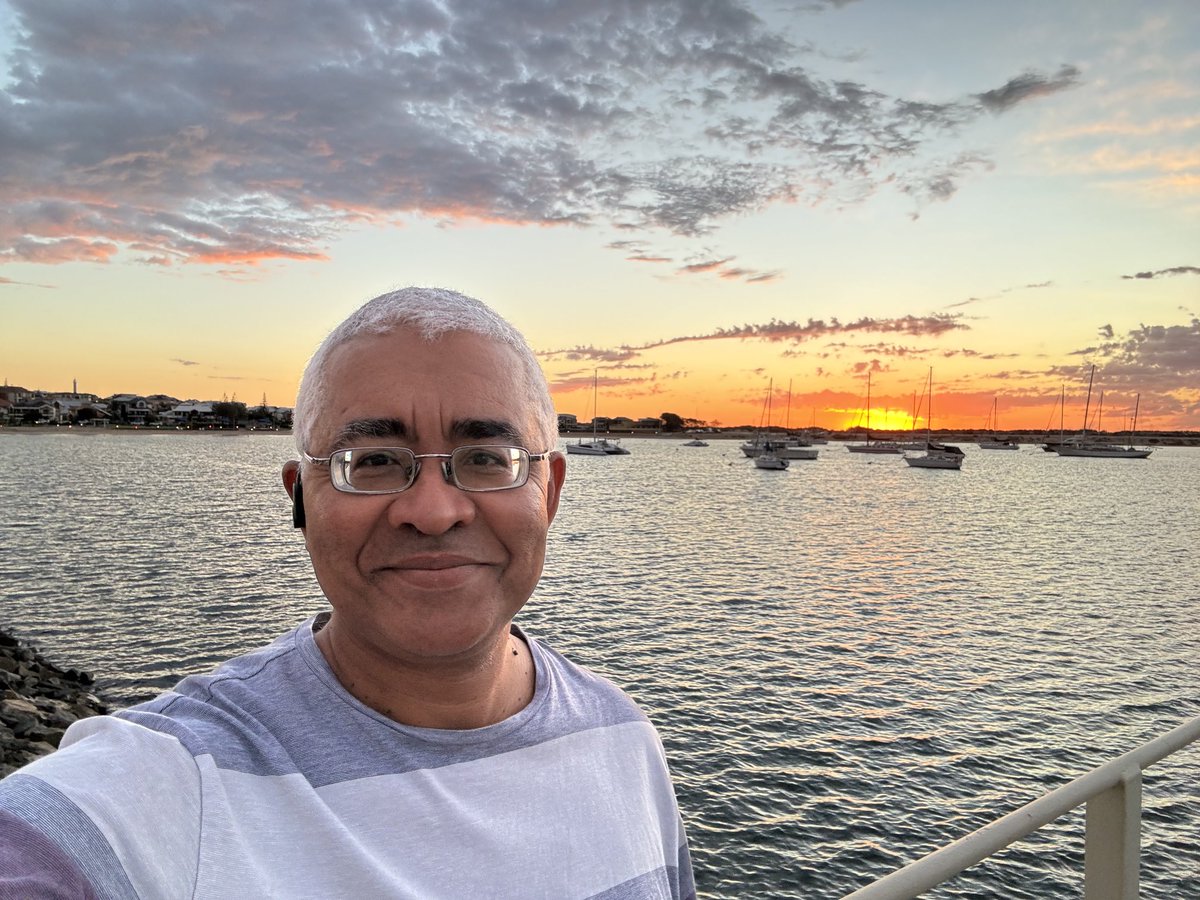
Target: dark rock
x=38, y=701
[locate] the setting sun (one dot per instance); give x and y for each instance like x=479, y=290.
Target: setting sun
x=880, y=419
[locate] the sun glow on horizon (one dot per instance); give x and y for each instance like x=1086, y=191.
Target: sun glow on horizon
x=880, y=419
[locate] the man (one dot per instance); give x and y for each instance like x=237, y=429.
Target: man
x=412, y=742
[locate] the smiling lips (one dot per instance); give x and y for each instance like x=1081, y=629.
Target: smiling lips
x=434, y=570
x=433, y=561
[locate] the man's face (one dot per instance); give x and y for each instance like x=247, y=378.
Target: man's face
x=433, y=573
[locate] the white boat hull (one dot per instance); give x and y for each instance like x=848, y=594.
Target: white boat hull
x=770, y=461
x=582, y=449
x=875, y=448
x=934, y=462
x=796, y=453
x=1100, y=452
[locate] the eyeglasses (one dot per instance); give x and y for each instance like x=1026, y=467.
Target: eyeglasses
x=390, y=470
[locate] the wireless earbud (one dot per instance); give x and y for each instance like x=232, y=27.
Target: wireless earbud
x=297, y=504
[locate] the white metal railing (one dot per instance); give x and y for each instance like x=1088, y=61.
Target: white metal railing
x=1112, y=842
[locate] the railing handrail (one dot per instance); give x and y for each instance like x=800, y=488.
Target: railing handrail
x=948, y=861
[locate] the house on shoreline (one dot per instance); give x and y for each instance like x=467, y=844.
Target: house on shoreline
x=21, y=406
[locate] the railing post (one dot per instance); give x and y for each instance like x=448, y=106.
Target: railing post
x=1113, y=841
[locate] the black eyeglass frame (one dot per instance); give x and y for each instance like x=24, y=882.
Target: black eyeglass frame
x=343, y=484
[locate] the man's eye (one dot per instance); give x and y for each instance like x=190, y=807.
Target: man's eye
x=486, y=459
x=377, y=458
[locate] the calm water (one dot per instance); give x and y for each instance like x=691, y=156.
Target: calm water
x=851, y=662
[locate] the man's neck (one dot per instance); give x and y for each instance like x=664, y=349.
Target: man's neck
x=485, y=688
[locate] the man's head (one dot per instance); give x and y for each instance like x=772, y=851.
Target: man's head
x=431, y=313
x=429, y=572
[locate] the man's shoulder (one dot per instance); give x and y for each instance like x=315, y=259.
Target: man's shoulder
x=240, y=708
x=584, y=691
x=259, y=670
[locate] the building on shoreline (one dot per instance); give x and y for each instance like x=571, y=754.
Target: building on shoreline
x=21, y=406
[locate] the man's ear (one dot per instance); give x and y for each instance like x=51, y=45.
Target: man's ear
x=291, y=474
x=291, y=484
x=554, y=484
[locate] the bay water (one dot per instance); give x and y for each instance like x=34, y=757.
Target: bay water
x=850, y=662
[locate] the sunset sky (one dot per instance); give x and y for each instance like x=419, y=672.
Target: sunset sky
x=693, y=199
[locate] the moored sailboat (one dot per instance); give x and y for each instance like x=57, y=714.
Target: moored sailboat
x=767, y=456
x=1102, y=450
x=1094, y=447
x=597, y=446
x=869, y=445
x=993, y=442
x=937, y=456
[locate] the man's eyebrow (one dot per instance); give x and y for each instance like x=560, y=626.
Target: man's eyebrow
x=368, y=428
x=485, y=429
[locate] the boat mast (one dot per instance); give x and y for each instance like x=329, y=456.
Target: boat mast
x=929, y=410
x=770, y=391
x=868, y=405
x=1062, y=408
x=1137, y=400
x=1087, y=406
x=595, y=411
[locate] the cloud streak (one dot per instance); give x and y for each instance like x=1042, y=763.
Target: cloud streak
x=799, y=332
x=1163, y=273
x=237, y=133
x=1027, y=86
x=776, y=331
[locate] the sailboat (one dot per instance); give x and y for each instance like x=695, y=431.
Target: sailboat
x=1048, y=444
x=767, y=458
x=597, y=446
x=795, y=446
x=912, y=444
x=814, y=436
x=992, y=442
x=937, y=456
x=870, y=446
x=1097, y=449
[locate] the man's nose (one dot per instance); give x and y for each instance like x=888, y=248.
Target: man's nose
x=432, y=505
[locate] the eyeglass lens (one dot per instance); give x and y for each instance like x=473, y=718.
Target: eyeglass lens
x=389, y=469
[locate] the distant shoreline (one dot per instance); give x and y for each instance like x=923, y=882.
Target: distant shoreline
x=1148, y=439
x=137, y=430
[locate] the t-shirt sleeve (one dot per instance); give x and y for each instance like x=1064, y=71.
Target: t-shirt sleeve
x=118, y=806
x=33, y=867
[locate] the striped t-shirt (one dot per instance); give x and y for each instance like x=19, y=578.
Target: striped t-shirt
x=266, y=778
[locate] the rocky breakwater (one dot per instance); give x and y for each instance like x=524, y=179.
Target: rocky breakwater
x=38, y=700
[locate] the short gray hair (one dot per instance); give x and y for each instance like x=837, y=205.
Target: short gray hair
x=431, y=313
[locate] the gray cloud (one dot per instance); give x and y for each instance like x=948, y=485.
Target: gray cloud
x=1028, y=287
x=1175, y=270
x=1160, y=361
x=1008, y=290
x=24, y=283
x=594, y=354
x=245, y=131
x=1027, y=86
x=967, y=302
x=774, y=331
x=184, y=362
x=797, y=332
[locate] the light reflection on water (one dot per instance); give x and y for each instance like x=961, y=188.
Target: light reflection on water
x=851, y=662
